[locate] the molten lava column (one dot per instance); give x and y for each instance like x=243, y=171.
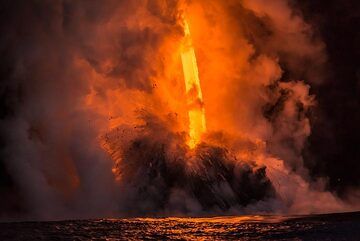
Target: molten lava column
x=197, y=122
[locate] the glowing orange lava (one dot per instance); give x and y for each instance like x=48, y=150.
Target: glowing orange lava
x=196, y=111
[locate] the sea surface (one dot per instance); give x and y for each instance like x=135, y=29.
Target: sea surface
x=341, y=226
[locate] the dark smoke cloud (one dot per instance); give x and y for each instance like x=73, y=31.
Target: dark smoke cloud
x=50, y=155
x=52, y=164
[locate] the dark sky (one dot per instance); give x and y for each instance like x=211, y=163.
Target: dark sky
x=333, y=148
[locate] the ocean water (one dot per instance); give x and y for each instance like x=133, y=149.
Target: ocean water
x=341, y=226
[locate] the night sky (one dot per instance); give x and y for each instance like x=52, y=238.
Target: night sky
x=333, y=147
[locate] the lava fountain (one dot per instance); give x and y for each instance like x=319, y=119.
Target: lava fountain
x=196, y=112
x=159, y=168
x=167, y=156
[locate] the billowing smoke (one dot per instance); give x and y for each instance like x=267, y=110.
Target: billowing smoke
x=94, y=121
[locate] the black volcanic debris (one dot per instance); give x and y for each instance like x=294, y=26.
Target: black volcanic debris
x=222, y=181
x=209, y=176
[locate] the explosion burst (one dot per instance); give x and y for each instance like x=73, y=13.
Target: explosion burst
x=109, y=111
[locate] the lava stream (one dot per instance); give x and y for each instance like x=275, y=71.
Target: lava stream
x=196, y=111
